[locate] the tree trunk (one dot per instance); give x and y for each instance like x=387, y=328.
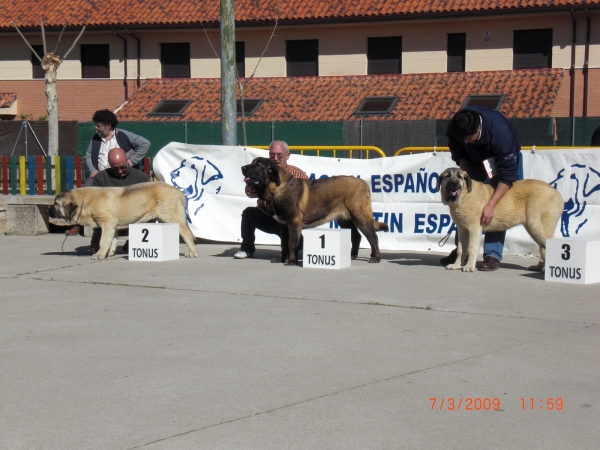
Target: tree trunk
x=52, y=108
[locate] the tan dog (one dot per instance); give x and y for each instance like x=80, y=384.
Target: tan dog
x=532, y=203
x=111, y=208
x=299, y=204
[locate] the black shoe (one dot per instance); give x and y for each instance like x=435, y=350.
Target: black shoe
x=450, y=259
x=489, y=264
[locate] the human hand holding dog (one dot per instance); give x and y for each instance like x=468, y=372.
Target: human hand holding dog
x=488, y=214
x=488, y=210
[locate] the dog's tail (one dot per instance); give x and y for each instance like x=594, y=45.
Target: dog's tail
x=381, y=226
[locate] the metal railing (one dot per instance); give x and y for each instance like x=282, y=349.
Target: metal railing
x=533, y=148
x=331, y=150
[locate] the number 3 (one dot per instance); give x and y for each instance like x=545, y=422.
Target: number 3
x=567, y=252
x=145, y=232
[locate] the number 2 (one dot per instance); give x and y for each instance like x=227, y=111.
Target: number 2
x=567, y=252
x=145, y=232
x=322, y=237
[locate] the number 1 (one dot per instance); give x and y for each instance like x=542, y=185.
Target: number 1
x=322, y=237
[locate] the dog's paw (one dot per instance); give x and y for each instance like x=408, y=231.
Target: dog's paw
x=276, y=260
x=374, y=260
x=290, y=263
x=97, y=256
x=536, y=268
x=192, y=253
x=468, y=268
x=455, y=266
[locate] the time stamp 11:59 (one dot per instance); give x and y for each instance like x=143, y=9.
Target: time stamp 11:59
x=487, y=404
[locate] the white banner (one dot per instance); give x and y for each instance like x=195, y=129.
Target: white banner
x=403, y=192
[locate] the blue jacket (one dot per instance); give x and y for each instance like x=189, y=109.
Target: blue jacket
x=498, y=140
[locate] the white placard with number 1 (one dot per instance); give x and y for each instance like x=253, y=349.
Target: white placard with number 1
x=153, y=241
x=326, y=248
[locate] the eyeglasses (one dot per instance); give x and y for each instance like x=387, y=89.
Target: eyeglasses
x=118, y=169
x=277, y=155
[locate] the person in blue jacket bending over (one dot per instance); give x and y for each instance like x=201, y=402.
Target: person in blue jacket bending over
x=485, y=145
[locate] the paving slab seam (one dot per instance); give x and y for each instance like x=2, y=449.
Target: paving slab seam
x=205, y=291
x=341, y=391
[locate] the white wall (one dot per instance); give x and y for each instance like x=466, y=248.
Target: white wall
x=342, y=47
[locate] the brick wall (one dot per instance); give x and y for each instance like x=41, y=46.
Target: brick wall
x=77, y=99
x=562, y=102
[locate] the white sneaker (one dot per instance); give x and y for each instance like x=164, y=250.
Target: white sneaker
x=242, y=255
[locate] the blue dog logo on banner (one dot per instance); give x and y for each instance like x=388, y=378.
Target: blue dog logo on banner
x=192, y=177
x=580, y=185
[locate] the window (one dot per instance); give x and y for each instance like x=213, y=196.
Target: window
x=175, y=60
x=493, y=101
x=457, y=47
x=36, y=66
x=251, y=105
x=240, y=58
x=532, y=49
x=376, y=105
x=384, y=55
x=170, y=108
x=302, y=58
x=95, y=61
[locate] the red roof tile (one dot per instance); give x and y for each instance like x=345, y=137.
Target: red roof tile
x=28, y=13
x=529, y=93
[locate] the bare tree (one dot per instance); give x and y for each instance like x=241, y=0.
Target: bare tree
x=50, y=63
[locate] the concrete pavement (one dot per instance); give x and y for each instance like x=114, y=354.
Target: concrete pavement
x=217, y=353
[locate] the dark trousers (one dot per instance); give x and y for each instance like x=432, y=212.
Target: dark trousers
x=254, y=218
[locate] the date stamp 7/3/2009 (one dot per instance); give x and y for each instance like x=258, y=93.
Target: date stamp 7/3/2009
x=494, y=404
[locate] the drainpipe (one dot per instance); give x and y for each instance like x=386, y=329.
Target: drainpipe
x=125, y=63
x=586, y=64
x=139, y=56
x=572, y=73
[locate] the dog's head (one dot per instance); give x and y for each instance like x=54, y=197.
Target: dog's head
x=452, y=183
x=64, y=209
x=259, y=173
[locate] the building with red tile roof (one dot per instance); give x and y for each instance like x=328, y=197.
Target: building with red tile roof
x=542, y=55
x=528, y=93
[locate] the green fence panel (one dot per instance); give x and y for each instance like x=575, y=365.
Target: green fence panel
x=85, y=131
x=257, y=133
x=440, y=133
x=206, y=133
x=534, y=131
x=158, y=133
x=310, y=133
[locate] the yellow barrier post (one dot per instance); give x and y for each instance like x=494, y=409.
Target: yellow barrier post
x=333, y=148
x=22, y=176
